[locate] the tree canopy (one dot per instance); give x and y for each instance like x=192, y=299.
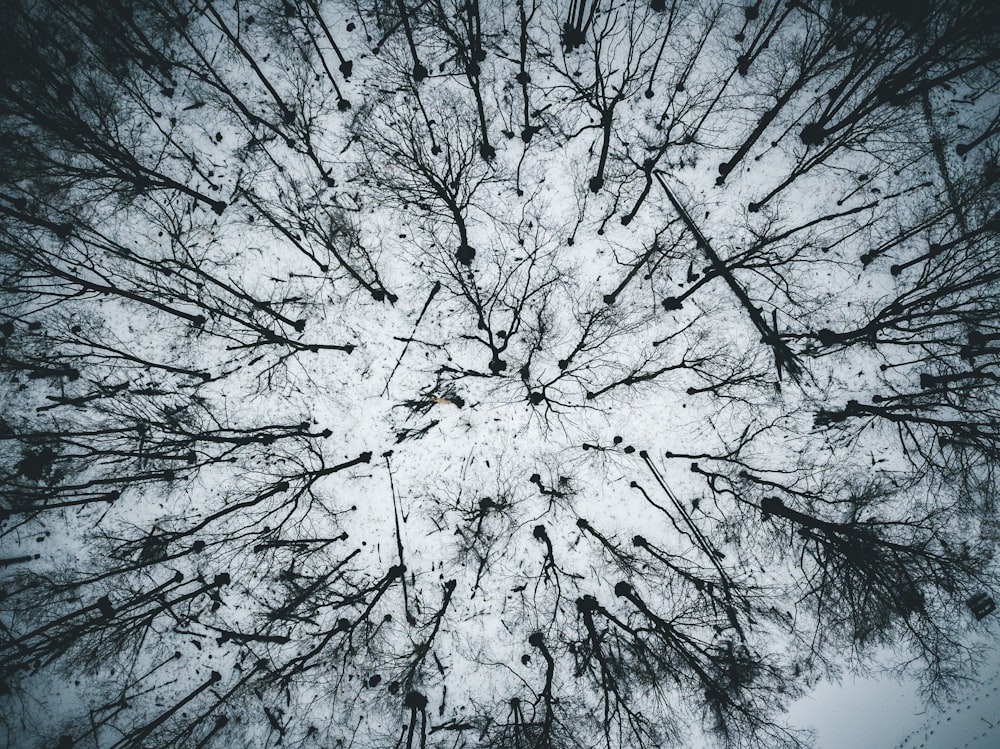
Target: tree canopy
x=547, y=373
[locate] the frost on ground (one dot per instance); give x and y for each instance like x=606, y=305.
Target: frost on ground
x=527, y=374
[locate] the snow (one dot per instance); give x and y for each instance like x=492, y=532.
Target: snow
x=416, y=476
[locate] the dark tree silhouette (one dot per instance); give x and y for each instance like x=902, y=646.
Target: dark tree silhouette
x=423, y=373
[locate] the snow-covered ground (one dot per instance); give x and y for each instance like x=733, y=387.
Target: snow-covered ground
x=601, y=375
